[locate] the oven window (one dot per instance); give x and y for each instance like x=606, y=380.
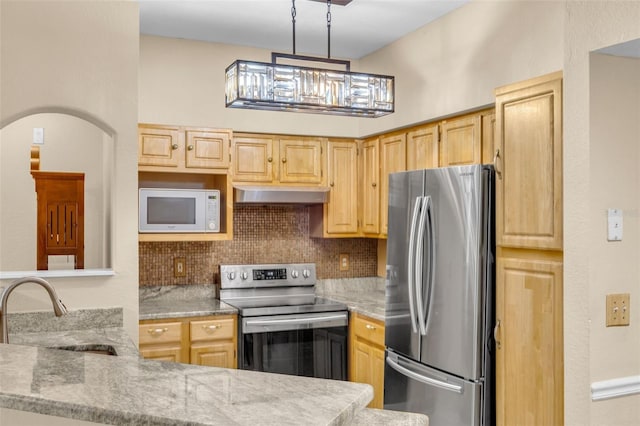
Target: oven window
x=312, y=352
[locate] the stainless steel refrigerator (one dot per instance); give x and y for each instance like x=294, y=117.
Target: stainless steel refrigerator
x=440, y=295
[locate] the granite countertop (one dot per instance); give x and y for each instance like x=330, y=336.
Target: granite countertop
x=78, y=329
x=176, y=301
x=125, y=390
x=365, y=296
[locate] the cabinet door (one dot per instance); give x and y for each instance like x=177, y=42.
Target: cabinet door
x=370, y=187
x=342, y=208
x=488, y=137
x=300, y=160
x=207, y=149
x=172, y=353
x=369, y=368
x=422, y=148
x=393, y=158
x=253, y=158
x=214, y=354
x=461, y=141
x=529, y=185
x=159, y=146
x=529, y=366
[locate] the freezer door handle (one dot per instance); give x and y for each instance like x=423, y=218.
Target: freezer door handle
x=420, y=378
x=411, y=264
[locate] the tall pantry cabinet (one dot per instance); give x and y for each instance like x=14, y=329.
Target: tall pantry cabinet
x=528, y=330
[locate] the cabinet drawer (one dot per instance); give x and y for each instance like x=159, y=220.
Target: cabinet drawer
x=369, y=329
x=215, y=329
x=161, y=332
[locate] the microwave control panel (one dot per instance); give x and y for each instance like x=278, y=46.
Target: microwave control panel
x=212, y=219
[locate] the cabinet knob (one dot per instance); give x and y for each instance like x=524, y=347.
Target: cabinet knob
x=174, y=146
x=190, y=148
x=269, y=159
x=374, y=184
x=284, y=160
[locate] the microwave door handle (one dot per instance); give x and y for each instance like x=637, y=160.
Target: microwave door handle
x=418, y=267
x=411, y=262
x=431, y=244
x=421, y=378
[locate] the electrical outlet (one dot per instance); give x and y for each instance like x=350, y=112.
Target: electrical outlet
x=344, y=262
x=618, y=309
x=179, y=267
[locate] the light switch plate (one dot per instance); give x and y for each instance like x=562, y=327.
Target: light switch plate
x=614, y=224
x=38, y=135
x=618, y=309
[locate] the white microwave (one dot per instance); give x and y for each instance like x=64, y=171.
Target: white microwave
x=179, y=210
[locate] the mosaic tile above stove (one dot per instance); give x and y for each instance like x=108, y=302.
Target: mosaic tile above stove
x=262, y=234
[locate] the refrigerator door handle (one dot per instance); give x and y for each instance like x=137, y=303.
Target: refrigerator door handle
x=419, y=265
x=411, y=262
x=424, y=379
x=431, y=243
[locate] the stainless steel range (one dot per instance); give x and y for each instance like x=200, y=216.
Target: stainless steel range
x=282, y=326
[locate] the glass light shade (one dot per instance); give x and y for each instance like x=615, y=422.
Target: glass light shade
x=270, y=86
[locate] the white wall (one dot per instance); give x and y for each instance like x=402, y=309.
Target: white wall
x=600, y=147
x=454, y=63
x=81, y=58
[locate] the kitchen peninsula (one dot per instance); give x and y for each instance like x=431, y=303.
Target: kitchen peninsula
x=122, y=390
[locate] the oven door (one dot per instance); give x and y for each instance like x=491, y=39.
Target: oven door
x=313, y=345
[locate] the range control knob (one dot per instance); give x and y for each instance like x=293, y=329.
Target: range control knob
x=231, y=276
x=294, y=274
x=306, y=273
x=244, y=275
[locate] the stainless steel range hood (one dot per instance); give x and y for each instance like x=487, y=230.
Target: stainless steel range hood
x=248, y=194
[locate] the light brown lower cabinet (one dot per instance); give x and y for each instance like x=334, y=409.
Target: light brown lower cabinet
x=366, y=361
x=209, y=341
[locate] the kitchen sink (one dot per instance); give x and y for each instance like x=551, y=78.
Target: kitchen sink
x=91, y=348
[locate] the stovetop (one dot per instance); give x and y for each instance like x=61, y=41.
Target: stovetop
x=273, y=289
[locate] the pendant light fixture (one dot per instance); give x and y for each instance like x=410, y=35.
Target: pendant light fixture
x=281, y=87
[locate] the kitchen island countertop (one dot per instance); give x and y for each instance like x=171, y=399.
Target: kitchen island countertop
x=125, y=390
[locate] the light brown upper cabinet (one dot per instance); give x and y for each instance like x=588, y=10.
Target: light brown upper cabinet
x=529, y=183
x=461, y=141
x=277, y=159
x=488, y=136
x=253, y=158
x=300, y=160
x=393, y=158
x=422, y=147
x=370, y=186
x=339, y=216
x=182, y=149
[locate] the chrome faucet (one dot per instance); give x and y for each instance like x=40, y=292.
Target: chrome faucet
x=58, y=307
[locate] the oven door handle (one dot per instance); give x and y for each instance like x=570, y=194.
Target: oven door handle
x=280, y=324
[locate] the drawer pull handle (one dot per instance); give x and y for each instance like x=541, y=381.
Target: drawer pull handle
x=157, y=331
x=370, y=327
x=211, y=327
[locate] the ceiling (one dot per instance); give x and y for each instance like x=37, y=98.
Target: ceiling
x=357, y=29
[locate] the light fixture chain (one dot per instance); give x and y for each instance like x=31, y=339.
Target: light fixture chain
x=328, y=28
x=293, y=22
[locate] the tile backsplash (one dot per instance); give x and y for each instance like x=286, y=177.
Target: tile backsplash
x=262, y=234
